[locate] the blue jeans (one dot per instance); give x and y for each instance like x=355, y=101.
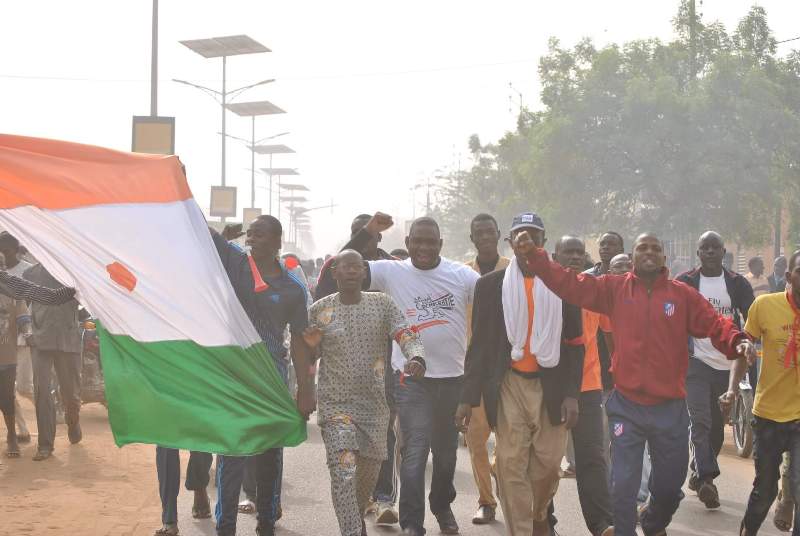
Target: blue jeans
x=704, y=386
x=770, y=440
x=265, y=473
x=665, y=429
x=426, y=408
x=168, y=467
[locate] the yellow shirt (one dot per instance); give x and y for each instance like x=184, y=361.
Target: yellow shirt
x=778, y=393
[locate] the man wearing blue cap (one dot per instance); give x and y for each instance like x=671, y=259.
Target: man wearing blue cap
x=526, y=360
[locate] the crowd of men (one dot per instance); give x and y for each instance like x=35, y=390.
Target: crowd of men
x=633, y=366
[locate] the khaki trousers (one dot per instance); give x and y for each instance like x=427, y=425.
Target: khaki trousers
x=477, y=438
x=529, y=452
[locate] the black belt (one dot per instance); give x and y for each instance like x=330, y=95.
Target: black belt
x=526, y=375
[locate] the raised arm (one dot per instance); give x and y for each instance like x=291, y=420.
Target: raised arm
x=20, y=289
x=583, y=290
x=705, y=322
x=226, y=250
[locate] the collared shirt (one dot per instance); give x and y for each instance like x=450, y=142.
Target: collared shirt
x=55, y=327
x=282, y=304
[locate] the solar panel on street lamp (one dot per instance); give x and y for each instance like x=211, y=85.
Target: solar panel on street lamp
x=273, y=149
x=252, y=110
x=283, y=172
x=294, y=198
x=295, y=187
x=230, y=45
x=222, y=47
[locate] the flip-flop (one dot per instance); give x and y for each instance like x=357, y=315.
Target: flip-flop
x=172, y=530
x=24, y=438
x=247, y=507
x=784, y=512
x=12, y=452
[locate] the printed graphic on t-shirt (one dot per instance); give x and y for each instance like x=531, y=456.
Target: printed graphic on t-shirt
x=434, y=308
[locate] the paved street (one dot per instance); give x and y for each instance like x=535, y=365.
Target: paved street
x=97, y=489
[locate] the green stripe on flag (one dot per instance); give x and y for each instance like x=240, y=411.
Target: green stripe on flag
x=223, y=399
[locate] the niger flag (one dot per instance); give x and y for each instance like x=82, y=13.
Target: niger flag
x=183, y=365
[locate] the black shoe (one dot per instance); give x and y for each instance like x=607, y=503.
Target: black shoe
x=265, y=530
x=708, y=495
x=484, y=515
x=694, y=482
x=447, y=522
x=74, y=433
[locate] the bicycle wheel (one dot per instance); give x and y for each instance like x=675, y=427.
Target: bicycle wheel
x=742, y=430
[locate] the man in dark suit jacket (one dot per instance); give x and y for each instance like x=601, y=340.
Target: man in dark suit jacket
x=525, y=404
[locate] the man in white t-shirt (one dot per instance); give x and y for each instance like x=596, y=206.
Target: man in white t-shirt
x=709, y=370
x=434, y=293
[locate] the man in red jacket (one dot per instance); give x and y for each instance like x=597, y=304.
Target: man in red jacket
x=651, y=317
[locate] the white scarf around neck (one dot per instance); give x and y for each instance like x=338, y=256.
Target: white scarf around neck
x=545, y=340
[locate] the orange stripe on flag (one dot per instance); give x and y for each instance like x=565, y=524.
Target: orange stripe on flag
x=52, y=174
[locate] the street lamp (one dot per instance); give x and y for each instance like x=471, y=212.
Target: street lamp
x=279, y=172
x=222, y=47
x=252, y=110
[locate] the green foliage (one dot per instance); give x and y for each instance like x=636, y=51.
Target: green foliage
x=629, y=140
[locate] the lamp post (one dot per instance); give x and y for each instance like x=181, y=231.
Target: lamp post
x=252, y=110
x=222, y=47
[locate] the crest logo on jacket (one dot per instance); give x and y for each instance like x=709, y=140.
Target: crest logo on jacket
x=669, y=308
x=619, y=429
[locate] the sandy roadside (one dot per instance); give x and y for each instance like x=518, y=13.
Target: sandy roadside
x=92, y=488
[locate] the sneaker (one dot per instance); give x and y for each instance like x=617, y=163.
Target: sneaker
x=372, y=507
x=447, y=522
x=484, y=515
x=694, y=482
x=708, y=495
x=386, y=515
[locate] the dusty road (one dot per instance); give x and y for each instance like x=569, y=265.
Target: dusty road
x=94, y=488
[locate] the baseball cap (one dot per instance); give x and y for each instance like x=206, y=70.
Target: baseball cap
x=527, y=220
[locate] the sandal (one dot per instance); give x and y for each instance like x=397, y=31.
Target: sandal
x=12, y=452
x=247, y=507
x=784, y=514
x=42, y=455
x=167, y=530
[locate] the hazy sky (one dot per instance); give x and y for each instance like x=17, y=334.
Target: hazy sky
x=379, y=94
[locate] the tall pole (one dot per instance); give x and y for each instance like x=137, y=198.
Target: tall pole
x=692, y=46
x=270, y=184
x=428, y=198
x=154, y=63
x=279, y=197
x=224, y=136
x=778, y=233
x=253, y=164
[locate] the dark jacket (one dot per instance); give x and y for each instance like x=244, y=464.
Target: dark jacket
x=488, y=358
x=650, y=327
x=326, y=285
x=739, y=290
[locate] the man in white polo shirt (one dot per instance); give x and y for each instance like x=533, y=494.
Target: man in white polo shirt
x=434, y=293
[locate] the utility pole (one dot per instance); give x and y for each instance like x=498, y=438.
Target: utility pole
x=692, y=40
x=778, y=232
x=154, y=64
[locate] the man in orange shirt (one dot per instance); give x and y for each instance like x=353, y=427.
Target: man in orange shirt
x=587, y=436
x=525, y=360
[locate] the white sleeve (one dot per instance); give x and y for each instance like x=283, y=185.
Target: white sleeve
x=379, y=273
x=470, y=279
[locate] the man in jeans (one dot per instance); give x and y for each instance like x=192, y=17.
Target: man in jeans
x=434, y=293
x=56, y=342
x=731, y=295
x=775, y=319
